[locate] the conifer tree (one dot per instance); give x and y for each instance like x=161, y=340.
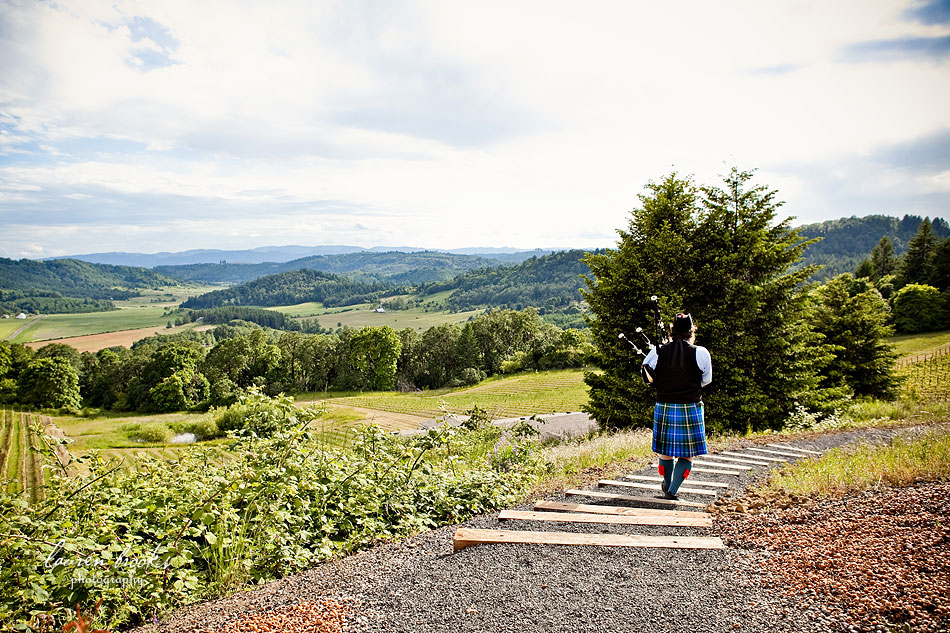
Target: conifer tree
x=853, y=316
x=718, y=253
x=883, y=260
x=916, y=267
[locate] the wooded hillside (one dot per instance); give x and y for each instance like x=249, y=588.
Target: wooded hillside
x=74, y=278
x=846, y=241
x=395, y=267
x=551, y=282
x=292, y=287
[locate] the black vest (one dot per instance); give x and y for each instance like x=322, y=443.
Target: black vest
x=678, y=379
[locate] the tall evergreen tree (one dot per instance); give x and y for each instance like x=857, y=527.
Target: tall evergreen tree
x=883, y=260
x=853, y=316
x=917, y=264
x=718, y=253
x=940, y=273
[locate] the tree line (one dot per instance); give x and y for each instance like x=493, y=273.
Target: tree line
x=917, y=282
x=845, y=242
x=292, y=287
x=198, y=370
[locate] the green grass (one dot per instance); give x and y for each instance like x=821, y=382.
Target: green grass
x=9, y=326
x=909, y=345
x=55, y=326
x=364, y=315
x=608, y=454
x=899, y=463
x=501, y=396
x=138, y=312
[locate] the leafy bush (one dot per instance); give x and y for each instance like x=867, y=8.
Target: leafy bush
x=918, y=308
x=804, y=420
x=170, y=532
x=152, y=432
x=468, y=376
x=206, y=429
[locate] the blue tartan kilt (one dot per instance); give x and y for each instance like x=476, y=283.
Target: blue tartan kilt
x=679, y=430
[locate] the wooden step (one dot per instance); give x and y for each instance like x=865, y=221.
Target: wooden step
x=759, y=457
x=692, y=482
x=630, y=484
x=696, y=520
x=795, y=448
x=737, y=460
x=464, y=537
x=563, y=506
x=711, y=471
x=597, y=494
x=782, y=453
x=734, y=467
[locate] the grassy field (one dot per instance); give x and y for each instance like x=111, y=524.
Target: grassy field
x=9, y=326
x=421, y=318
x=910, y=345
x=901, y=462
x=147, y=311
x=364, y=315
x=123, y=338
x=502, y=396
x=20, y=467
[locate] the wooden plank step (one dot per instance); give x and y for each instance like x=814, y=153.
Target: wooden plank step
x=631, y=484
x=696, y=520
x=782, y=453
x=464, y=537
x=597, y=494
x=712, y=471
x=737, y=460
x=795, y=448
x=563, y=506
x=692, y=482
x=760, y=457
x=721, y=465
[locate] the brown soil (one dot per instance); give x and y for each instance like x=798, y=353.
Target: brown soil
x=871, y=560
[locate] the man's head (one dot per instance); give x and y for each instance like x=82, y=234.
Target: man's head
x=682, y=326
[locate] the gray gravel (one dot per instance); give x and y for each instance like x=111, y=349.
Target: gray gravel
x=420, y=585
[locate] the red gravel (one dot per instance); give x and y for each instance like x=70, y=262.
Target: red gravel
x=327, y=616
x=869, y=560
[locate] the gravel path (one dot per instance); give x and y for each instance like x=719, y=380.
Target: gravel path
x=420, y=585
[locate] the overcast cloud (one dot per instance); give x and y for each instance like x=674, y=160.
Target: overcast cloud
x=166, y=126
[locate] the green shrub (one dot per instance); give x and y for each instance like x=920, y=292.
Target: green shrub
x=206, y=429
x=918, y=308
x=199, y=525
x=152, y=432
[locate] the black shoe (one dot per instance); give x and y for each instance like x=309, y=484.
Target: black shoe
x=669, y=495
x=664, y=486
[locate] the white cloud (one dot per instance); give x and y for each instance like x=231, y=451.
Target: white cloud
x=449, y=123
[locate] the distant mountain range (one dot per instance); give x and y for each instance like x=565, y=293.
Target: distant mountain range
x=280, y=254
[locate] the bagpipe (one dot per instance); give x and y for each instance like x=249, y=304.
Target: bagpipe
x=663, y=337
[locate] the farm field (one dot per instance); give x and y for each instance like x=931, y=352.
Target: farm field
x=910, y=345
x=123, y=338
x=147, y=311
x=501, y=397
x=57, y=326
x=20, y=467
x=364, y=315
x=9, y=326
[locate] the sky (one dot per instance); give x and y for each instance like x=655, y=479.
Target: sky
x=147, y=126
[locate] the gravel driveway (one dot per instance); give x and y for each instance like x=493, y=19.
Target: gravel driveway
x=420, y=585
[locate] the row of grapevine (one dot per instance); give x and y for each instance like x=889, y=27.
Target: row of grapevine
x=927, y=376
x=20, y=467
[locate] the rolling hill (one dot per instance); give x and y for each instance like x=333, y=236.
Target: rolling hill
x=393, y=267
x=74, y=278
